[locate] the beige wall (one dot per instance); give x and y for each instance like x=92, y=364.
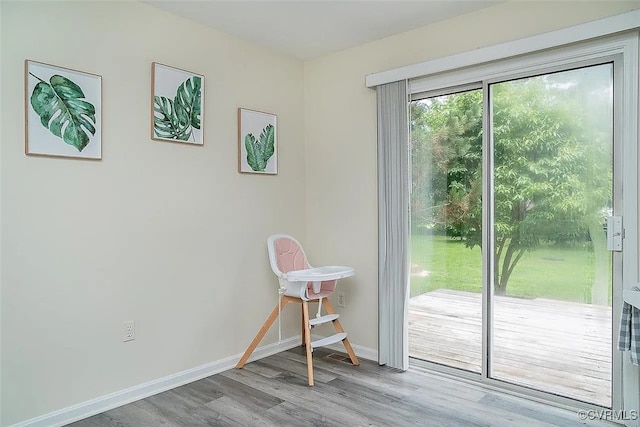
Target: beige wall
x=340, y=123
x=171, y=235
x=166, y=234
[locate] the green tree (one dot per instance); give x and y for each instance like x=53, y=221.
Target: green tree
x=551, y=163
x=446, y=146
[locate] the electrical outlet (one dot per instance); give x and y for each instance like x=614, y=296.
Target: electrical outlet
x=341, y=302
x=129, y=331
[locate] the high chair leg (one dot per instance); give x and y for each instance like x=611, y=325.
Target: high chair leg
x=302, y=328
x=338, y=327
x=261, y=333
x=307, y=340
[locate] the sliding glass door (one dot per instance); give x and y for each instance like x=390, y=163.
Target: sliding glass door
x=512, y=182
x=445, y=316
x=552, y=167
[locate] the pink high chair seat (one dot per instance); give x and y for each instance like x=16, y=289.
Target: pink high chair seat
x=297, y=278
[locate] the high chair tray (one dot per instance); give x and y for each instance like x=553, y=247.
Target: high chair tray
x=318, y=274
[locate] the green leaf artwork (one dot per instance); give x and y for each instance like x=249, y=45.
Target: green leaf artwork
x=260, y=151
x=63, y=110
x=177, y=118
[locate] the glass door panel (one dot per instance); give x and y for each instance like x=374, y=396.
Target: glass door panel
x=445, y=306
x=550, y=312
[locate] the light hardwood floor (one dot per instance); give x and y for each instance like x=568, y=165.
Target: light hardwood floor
x=273, y=392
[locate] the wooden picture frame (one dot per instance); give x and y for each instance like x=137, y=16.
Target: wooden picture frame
x=63, y=112
x=177, y=105
x=257, y=142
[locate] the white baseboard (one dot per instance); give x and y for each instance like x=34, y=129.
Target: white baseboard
x=104, y=403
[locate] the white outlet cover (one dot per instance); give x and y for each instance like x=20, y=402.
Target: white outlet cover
x=129, y=332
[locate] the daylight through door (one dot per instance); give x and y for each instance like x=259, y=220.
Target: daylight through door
x=537, y=283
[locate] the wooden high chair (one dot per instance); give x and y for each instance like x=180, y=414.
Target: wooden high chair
x=301, y=283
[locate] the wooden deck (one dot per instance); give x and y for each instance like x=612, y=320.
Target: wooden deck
x=555, y=346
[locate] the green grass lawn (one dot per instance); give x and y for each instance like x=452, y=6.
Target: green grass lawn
x=563, y=273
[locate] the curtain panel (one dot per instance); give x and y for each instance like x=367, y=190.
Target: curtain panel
x=393, y=224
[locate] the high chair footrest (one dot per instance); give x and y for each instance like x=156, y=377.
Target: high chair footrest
x=323, y=319
x=329, y=340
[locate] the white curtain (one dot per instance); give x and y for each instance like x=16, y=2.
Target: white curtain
x=393, y=224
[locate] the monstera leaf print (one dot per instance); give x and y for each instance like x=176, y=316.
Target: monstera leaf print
x=63, y=110
x=167, y=122
x=176, y=118
x=260, y=151
x=188, y=101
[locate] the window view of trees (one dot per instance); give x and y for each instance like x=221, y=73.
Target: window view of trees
x=552, y=165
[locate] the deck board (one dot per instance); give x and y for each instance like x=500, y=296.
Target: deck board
x=555, y=346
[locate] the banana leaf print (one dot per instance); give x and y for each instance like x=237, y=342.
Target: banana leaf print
x=260, y=151
x=63, y=111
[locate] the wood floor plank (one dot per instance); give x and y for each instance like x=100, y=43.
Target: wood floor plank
x=201, y=391
x=552, y=416
x=249, y=396
x=392, y=409
x=241, y=413
x=294, y=415
x=299, y=367
x=100, y=420
x=127, y=416
x=175, y=408
x=262, y=370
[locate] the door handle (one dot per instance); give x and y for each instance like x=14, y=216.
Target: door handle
x=614, y=233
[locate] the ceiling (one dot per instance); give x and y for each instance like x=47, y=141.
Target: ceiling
x=308, y=29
